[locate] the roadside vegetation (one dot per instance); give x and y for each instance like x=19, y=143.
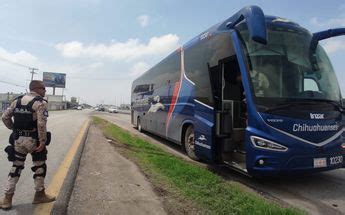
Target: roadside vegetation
x=187, y=182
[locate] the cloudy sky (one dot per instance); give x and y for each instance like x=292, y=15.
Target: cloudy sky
x=102, y=45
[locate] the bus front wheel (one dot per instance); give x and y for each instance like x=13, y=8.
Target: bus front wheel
x=189, y=143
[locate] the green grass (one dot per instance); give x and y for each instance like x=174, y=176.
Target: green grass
x=208, y=191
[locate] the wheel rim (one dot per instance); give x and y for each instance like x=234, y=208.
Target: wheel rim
x=190, y=141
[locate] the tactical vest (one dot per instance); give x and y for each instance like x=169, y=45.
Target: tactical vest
x=23, y=115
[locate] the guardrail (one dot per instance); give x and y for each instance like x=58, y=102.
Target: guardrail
x=124, y=111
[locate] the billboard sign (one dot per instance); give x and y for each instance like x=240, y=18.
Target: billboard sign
x=51, y=79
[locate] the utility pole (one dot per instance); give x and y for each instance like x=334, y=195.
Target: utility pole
x=32, y=72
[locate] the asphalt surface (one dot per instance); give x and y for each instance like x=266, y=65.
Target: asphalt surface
x=322, y=193
x=64, y=125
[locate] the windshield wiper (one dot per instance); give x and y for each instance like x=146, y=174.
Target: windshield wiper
x=334, y=103
x=306, y=102
x=286, y=105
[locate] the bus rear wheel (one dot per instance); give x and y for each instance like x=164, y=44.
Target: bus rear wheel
x=189, y=143
x=140, y=129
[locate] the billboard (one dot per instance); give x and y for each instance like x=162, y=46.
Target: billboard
x=51, y=79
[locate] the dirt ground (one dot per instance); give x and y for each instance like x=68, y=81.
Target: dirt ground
x=108, y=183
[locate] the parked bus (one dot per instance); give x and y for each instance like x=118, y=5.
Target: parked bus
x=255, y=92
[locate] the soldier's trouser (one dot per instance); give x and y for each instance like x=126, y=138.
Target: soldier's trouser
x=23, y=146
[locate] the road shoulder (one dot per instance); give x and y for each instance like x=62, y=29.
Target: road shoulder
x=108, y=183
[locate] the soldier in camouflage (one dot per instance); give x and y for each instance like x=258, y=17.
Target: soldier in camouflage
x=29, y=113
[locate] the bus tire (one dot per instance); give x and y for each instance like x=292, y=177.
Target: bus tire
x=189, y=143
x=140, y=129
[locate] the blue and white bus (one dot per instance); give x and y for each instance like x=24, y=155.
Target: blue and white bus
x=255, y=92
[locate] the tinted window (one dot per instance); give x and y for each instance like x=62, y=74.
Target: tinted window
x=198, y=57
x=141, y=88
x=164, y=73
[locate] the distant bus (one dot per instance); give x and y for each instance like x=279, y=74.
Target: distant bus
x=255, y=92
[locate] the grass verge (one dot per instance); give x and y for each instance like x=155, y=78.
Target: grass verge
x=207, y=191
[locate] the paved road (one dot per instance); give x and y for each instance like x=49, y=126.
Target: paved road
x=64, y=125
x=322, y=193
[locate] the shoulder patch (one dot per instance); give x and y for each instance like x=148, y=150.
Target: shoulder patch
x=45, y=113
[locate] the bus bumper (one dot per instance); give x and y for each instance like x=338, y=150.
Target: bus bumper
x=296, y=165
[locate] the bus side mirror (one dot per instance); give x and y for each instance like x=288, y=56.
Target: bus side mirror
x=322, y=35
x=255, y=20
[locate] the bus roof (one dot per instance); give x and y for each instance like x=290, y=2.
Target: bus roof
x=221, y=28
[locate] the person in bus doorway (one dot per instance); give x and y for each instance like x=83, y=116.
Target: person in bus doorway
x=29, y=113
x=260, y=82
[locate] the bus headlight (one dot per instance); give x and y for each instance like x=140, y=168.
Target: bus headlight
x=262, y=143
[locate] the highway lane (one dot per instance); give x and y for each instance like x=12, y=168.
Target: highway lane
x=65, y=126
x=322, y=193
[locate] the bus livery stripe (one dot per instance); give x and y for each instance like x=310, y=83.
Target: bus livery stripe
x=172, y=104
x=176, y=92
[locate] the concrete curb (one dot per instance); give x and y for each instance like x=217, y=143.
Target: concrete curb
x=62, y=200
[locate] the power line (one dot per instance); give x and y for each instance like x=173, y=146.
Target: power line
x=32, y=71
x=14, y=63
x=6, y=82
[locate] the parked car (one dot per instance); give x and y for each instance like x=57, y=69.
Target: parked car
x=112, y=110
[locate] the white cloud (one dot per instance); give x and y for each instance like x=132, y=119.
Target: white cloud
x=334, y=22
x=21, y=57
x=143, y=20
x=13, y=76
x=334, y=45
x=71, y=49
x=138, y=69
x=130, y=49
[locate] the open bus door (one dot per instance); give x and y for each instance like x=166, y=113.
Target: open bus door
x=230, y=115
x=219, y=130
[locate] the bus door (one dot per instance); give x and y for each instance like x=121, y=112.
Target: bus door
x=230, y=111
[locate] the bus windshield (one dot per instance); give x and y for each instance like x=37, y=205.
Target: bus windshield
x=285, y=70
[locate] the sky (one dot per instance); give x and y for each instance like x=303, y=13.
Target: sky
x=103, y=45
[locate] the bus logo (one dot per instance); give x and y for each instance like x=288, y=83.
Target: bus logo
x=317, y=116
x=202, y=138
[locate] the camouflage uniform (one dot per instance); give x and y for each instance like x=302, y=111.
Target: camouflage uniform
x=24, y=145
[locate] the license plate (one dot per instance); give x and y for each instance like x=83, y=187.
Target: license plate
x=336, y=160
x=320, y=162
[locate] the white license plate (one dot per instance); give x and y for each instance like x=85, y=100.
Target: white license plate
x=336, y=160
x=320, y=162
